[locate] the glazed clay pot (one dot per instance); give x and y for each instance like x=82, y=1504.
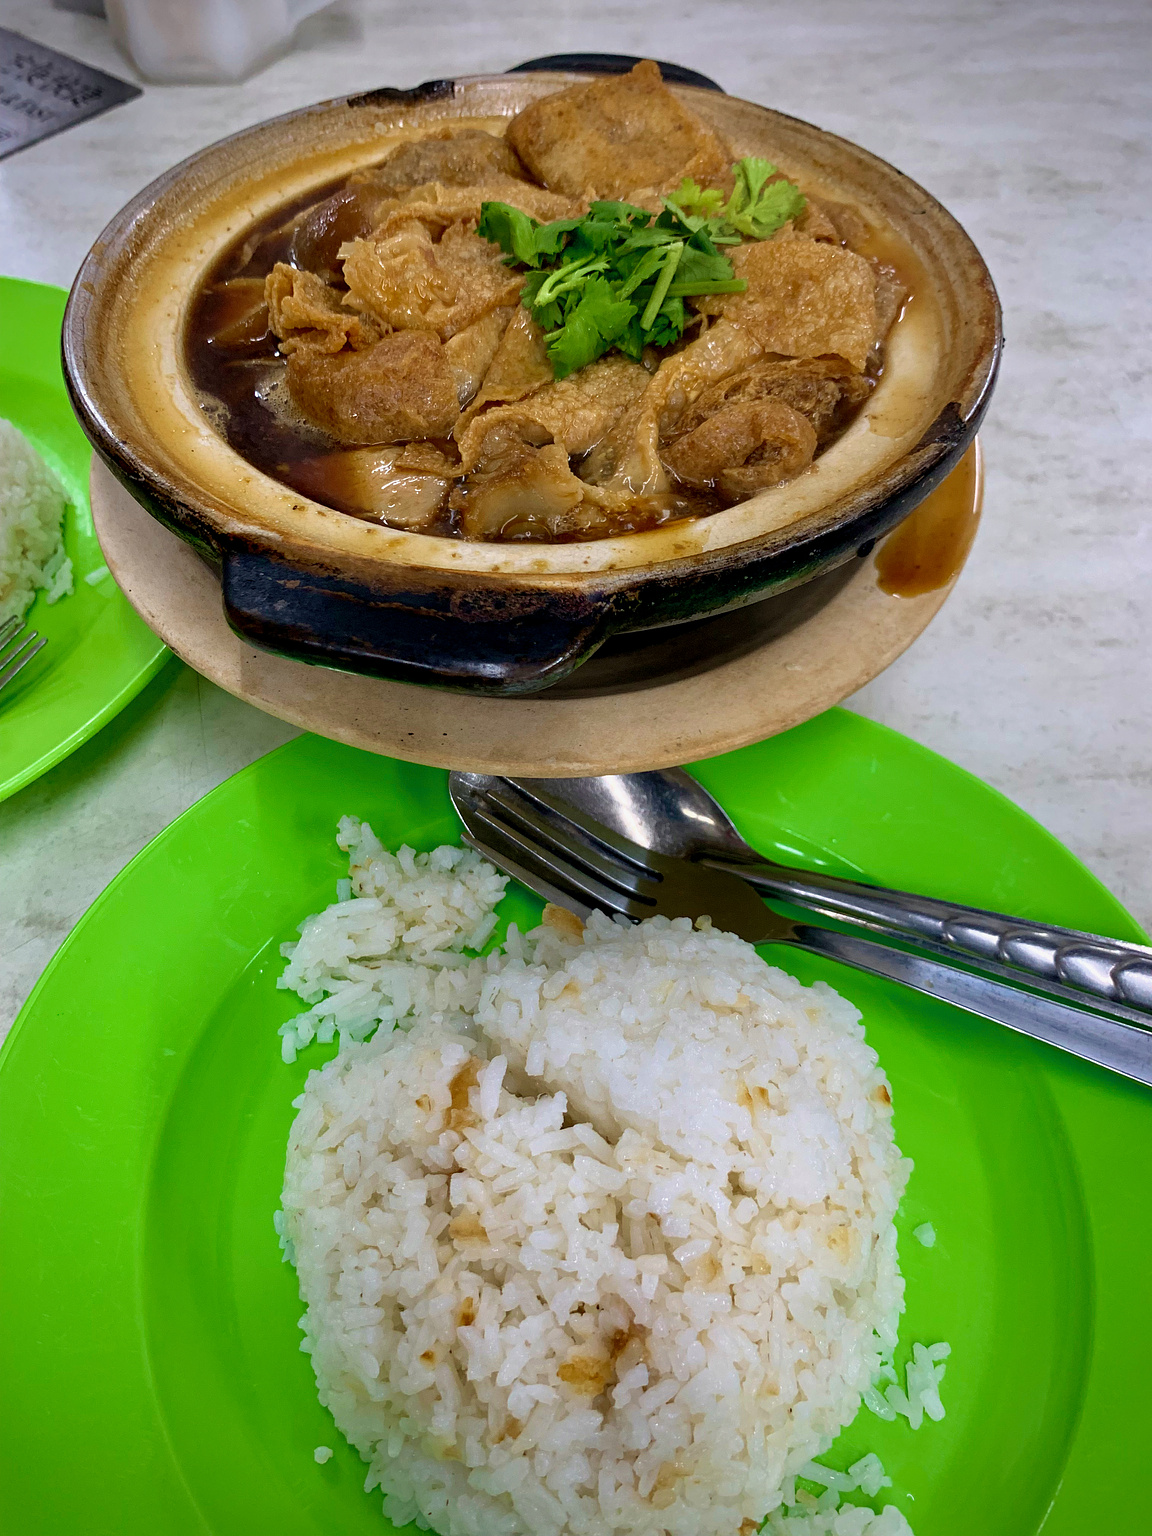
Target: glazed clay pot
x=313, y=583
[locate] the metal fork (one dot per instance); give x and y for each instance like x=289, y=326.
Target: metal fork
x=14, y=658
x=574, y=861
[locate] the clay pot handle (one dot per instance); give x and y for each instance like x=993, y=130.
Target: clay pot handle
x=433, y=630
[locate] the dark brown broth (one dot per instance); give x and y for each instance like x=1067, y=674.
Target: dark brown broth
x=234, y=381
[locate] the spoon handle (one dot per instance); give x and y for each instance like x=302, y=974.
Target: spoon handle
x=1120, y=1047
x=1063, y=958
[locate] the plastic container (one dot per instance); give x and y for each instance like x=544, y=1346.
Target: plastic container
x=205, y=41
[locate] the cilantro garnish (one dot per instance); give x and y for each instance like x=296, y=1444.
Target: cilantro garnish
x=618, y=276
x=754, y=209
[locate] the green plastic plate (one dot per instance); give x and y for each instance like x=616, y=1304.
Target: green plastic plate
x=99, y=653
x=151, y=1374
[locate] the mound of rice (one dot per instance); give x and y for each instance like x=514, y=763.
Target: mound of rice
x=32, y=504
x=598, y=1241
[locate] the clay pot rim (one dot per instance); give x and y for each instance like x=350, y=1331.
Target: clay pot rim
x=315, y=534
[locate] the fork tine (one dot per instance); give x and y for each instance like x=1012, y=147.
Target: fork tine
x=9, y=629
x=501, y=854
x=571, y=821
x=552, y=866
x=575, y=839
x=605, y=871
x=19, y=659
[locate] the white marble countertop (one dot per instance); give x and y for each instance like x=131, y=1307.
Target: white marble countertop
x=1030, y=121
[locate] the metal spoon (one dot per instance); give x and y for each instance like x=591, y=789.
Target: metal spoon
x=667, y=811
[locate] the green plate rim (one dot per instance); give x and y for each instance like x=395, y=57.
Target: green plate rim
x=1082, y=1096
x=116, y=675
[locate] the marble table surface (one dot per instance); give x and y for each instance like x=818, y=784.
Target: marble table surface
x=1030, y=121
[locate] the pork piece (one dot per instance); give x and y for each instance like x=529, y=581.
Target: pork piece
x=626, y=462
x=518, y=480
x=305, y=312
x=347, y=215
x=805, y=298
x=428, y=458
x=520, y=367
x=518, y=490
x=574, y=412
x=462, y=157
x=259, y=251
x=744, y=448
x=825, y=390
x=390, y=484
x=471, y=351
x=615, y=134
x=410, y=281
x=396, y=391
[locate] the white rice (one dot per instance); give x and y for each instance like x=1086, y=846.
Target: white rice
x=601, y=1239
x=850, y=1520
x=32, y=504
x=925, y=1372
x=390, y=949
x=803, y=1514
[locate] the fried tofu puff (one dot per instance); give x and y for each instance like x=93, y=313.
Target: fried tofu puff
x=454, y=157
x=400, y=390
x=804, y=298
x=618, y=134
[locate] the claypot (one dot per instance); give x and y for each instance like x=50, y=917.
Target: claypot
x=313, y=583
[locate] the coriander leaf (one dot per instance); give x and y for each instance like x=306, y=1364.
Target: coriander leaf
x=722, y=233
x=648, y=239
x=677, y=224
x=665, y=331
x=610, y=313
x=757, y=209
x=550, y=238
x=667, y=271
x=618, y=277
x=593, y=238
x=572, y=274
x=668, y=325
x=700, y=267
x=751, y=174
x=514, y=232
x=779, y=202
x=648, y=265
x=631, y=340
x=691, y=197
x=704, y=233
x=618, y=213
x=546, y=315
x=589, y=329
